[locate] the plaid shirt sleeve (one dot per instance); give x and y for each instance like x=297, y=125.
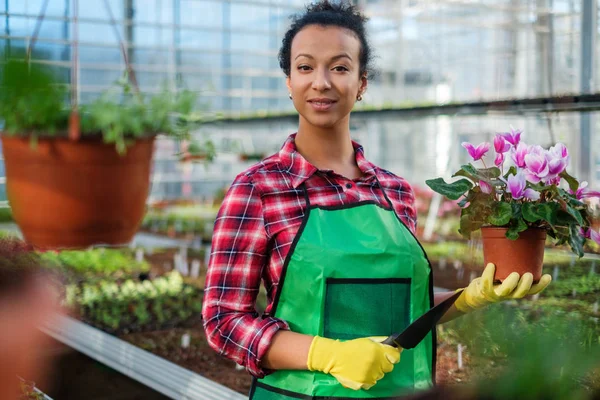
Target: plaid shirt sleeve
x=238, y=255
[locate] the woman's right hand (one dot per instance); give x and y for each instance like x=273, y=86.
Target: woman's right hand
x=356, y=364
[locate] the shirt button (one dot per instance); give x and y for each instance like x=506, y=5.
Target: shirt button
x=349, y=185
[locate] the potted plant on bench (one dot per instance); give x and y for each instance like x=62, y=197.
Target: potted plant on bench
x=79, y=175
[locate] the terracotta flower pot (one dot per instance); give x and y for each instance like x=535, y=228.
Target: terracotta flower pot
x=73, y=194
x=526, y=254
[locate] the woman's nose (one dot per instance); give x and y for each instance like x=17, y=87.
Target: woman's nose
x=321, y=81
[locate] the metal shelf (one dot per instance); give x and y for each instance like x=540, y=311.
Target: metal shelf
x=153, y=371
x=565, y=103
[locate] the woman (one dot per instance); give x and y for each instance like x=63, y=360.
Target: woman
x=331, y=236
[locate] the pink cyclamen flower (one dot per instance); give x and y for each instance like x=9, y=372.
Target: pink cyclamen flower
x=486, y=187
x=516, y=185
x=583, y=192
x=499, y=160
x=513, y=137
x=536, y=163
x=476, y=152
x=585, y=232
x=552, y=181
x=558, y=158
x=531, y=194
x=501, y=145
x=555, y=167
x=559, y=150
x=519, y=153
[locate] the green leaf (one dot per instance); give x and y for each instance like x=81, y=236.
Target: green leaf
x=476, y=174
x=570, y=198
x=538, y=187
x=497, y=182
x=511, y=171
x=575, y=240
x=521, y=225
x=468, y=171
x=491, y=173
x=576, y=214
x=469, y=223
x=516, y=228
x=463, y=202
x=501, y=214
x=573, y=184
x=516, y=210
x=530, y=213
x=545, y=211
x=453, y=190
x=512, y=234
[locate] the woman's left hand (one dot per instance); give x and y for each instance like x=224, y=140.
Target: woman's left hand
x=482, y=291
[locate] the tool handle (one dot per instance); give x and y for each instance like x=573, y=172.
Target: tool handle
x=390, y=340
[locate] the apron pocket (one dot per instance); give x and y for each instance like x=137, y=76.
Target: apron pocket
x=366, y=307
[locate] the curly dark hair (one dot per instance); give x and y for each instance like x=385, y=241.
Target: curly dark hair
x=328, y=13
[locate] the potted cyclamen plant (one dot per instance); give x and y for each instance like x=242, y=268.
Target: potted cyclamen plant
x=525, y=196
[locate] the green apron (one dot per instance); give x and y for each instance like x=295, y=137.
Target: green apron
x=353, y=271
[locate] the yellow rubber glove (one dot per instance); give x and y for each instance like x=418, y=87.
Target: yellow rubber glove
x=356, y=364
x=482, y=291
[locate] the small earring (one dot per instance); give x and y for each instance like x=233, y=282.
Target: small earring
x=359, y=98
x=290, y=96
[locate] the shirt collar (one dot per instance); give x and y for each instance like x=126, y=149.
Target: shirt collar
x=300, y=169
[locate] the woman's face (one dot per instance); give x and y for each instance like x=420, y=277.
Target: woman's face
x=325, y=76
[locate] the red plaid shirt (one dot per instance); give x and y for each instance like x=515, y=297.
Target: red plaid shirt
x=255, y=227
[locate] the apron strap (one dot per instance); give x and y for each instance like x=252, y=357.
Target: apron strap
x=385, y=194
x=305, y=191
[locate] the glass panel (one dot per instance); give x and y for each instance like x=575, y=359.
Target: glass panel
x=248, y=16
x=99, y=33
x=201, y=60
x=100, y=55
x=201, y=13
x=152, y=81
x=99, y=77
x=250, y=61
x=152, y=57
x=201, y=40
x=146, y=11
x=152, y=36
x=97, y=9
x=260, y=82
x=249, y=41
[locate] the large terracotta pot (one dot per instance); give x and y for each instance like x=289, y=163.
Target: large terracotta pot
x=526, y=254
x=73, y=194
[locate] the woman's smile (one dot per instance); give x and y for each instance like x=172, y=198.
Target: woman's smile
x=322, y=104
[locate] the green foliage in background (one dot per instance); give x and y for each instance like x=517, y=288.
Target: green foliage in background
x=34, y=103
x=78, y=265
x=6, y=214
x=531, y=350
x=135, y=306
x=31, y=97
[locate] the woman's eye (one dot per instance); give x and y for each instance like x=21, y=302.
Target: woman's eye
x=340, y=68
x=303, y=67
